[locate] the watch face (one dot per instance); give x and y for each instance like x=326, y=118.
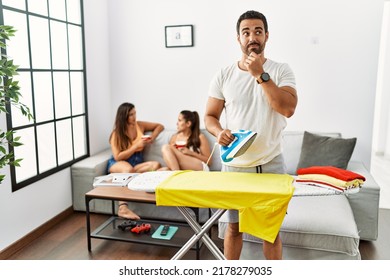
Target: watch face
x=265, y=77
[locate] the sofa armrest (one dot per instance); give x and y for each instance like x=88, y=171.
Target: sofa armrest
x=83, y=174
x=365, y=203
x=360, y=168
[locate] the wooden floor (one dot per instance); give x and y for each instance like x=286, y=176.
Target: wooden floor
x=67, y=241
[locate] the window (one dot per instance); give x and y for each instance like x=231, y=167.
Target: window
x=49, y=49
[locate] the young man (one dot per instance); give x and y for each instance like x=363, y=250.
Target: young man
x=257, y=94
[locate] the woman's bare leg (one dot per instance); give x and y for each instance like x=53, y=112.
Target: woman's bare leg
x=146, y=167
x=176, y=160
x=169, y=156
x=123, y=210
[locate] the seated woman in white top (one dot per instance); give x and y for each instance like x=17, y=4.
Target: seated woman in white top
x=188, y=149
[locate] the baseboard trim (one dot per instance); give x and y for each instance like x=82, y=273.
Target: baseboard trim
x=27, y=239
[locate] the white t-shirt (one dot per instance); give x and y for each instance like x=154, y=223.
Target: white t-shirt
x=247, y=107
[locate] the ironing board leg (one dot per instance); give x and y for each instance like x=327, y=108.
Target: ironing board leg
x=200, y=233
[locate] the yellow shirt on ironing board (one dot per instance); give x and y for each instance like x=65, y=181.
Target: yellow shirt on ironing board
x=261, y=199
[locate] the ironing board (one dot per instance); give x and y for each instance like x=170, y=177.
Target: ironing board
x=261, y=199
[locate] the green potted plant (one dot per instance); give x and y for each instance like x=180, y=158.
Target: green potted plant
x=9, y=96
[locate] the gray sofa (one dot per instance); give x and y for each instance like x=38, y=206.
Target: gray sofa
x=316, y=227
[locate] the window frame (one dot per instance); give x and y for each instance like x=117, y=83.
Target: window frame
x=54, y=120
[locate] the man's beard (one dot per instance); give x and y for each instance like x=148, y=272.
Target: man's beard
x=257, y=48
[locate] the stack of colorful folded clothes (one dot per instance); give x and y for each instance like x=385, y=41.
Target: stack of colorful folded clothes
x=330, y=177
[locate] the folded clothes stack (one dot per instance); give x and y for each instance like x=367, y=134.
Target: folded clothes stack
x=330, y=177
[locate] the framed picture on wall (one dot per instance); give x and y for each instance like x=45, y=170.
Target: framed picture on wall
x=177, y=36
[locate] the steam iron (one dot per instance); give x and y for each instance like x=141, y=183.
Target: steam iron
x=242, y=141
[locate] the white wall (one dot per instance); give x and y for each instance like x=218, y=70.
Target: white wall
x=24, y=210
x=331, y=45
x=97, y=43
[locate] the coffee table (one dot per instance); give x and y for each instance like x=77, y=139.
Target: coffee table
x=109, y=229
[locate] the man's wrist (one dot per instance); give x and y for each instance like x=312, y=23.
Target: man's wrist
x=263, y=78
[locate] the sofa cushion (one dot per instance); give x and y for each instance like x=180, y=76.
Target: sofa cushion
x=153, y=151
x=321, y=222
x=215, y=162
x=292, y=143
x=318, y=150
x=324, y=223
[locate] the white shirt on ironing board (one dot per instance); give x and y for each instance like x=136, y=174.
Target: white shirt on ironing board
x=246, y=107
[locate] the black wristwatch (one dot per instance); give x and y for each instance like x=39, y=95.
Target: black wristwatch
x=264, y=78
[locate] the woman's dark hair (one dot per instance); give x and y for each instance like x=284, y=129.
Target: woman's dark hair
x=122, y=139
x=252, y=15
x=193, y=140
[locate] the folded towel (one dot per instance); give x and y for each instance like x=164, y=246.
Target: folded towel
x=335, y=172
x=317, y=189
x=320, y=184
x=332, y=180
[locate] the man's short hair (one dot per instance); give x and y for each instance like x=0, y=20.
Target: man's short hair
x=252, y=15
